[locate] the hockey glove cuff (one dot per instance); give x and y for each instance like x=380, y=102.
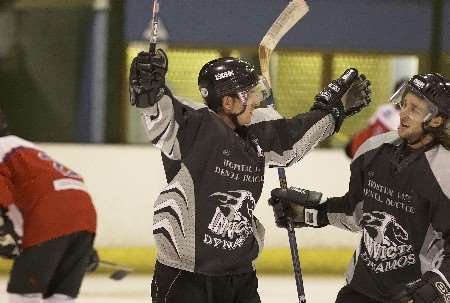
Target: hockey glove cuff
x=344, y=96
x=300, y=206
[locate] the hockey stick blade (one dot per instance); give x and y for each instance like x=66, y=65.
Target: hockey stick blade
x=119, y=275
x=293, y=12
x=120, y=270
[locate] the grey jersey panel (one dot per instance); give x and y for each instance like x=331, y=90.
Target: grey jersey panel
x=436, y=157
x=174, y=222
x=321, y=130
x=265, y=114
x=377, y=141
x=159, y=121
x=349, y=223
x=431, y=253
x=352, y=265
x=162, y=128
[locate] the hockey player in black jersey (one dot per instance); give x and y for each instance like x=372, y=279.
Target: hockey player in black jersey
x=398, y=198
x=214, y=157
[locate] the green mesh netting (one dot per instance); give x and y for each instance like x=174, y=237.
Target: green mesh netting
x=183, y=70
x=296, y=79
x=378, y=69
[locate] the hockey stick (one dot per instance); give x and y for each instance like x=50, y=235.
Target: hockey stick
x=293, y=12
x=120, y=270
x=155, y=23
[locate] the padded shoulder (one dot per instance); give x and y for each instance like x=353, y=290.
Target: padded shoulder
x=376, y=141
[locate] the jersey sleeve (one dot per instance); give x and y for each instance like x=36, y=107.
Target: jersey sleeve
x=346, y=212
x=165, y=122
x=359, y=138
x=6, y=193
x=437, y=251
x=444, y=268
x=286, y=141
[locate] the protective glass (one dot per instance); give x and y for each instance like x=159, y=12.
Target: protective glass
x=257, y=94
x=417, y=112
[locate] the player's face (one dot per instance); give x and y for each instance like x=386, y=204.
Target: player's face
x=252, y=103
x=413, y=113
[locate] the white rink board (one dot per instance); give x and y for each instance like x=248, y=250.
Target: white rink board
x=124, y=180
x=136, y=289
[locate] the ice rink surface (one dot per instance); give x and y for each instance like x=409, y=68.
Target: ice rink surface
x=136, y=289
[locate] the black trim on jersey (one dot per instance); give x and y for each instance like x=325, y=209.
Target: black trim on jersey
x=166, y=234
x=171, y=149
x=157, y=138
x=177, y=191
x=154, y=117
x=174, y=214
x=284, y=165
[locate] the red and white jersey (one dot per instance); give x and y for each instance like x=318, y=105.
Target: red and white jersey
x=51, y=197
x=386, y=118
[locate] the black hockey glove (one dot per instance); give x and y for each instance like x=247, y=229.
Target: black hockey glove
x=147, y=78
x=9, y=239
x=344, y=96
x=431, y=288
x=93, y=261
x=300, y=206
x=357, y=96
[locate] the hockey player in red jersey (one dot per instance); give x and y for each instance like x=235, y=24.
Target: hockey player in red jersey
x=47, y=223
x=384, y=119
x=398, y=198
x=214, y=158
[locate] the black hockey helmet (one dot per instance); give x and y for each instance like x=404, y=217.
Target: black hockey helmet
x=432, y=87
x=435, y=88
x=4, y=128
x=225, y=76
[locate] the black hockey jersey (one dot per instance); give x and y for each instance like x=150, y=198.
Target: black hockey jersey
x=399, y=200
x=203, y=220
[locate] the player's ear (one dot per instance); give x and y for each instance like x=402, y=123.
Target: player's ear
x=436, y=121
x=227, y=104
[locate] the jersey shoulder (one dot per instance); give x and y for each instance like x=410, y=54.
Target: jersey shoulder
x=377, y=141
x=10, y=143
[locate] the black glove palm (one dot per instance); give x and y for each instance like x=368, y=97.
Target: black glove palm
x=147, y=78
x=344, y=96
x=357, y=96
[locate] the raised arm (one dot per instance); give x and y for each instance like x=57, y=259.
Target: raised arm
x=286, y=141
x=164, y=115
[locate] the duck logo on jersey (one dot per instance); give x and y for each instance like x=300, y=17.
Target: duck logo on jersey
x=232, y=221
x=386, y=243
